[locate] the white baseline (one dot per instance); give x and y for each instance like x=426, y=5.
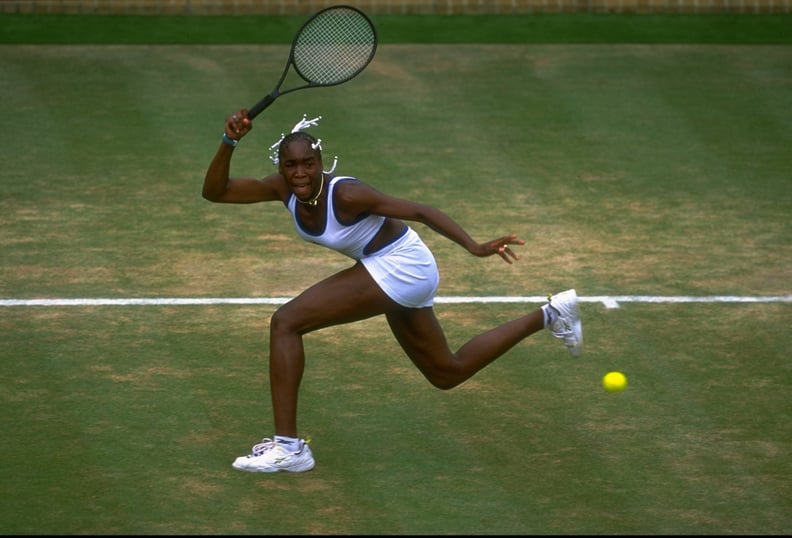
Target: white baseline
x=609, y=301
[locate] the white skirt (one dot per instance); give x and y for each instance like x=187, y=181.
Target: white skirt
x=406, y=271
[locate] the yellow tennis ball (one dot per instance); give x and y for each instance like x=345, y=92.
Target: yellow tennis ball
x=614, y=381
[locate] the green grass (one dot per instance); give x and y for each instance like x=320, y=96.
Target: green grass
x=130, y=428
x=628, y=168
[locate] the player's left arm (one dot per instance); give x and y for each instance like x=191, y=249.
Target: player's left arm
x=357, y=197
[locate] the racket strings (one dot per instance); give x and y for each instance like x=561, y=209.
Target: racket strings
x=335, y=47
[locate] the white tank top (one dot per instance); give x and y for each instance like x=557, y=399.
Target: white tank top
x=349, y=239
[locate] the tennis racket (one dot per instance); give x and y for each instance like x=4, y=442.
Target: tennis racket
x=333, y=46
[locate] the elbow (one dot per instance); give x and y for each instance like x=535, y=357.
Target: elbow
x=214, y=187
x=210, y=195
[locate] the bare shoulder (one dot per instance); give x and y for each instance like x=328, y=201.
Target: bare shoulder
x=274, y=183
x=354, y=190
x=352, y=197
x=356, y=197
x=250, y=190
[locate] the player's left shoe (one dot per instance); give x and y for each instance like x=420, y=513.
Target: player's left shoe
x=567, y=325
x=270, y=457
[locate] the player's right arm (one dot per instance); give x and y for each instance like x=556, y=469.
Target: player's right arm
x=219, y=187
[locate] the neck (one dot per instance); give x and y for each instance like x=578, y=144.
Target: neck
x=315, y=198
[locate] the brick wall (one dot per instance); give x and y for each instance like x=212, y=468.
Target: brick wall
x=391, y=7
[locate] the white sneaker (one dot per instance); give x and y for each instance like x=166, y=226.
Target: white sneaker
x=269, y=457
x=567, y=325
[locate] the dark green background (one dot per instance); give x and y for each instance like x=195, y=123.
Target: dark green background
x=545, y=28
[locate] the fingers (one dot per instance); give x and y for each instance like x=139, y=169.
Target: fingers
x=238, y=124
x=505, y=251
x=511, y=240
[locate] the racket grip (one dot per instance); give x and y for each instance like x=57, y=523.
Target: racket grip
x=256, y=109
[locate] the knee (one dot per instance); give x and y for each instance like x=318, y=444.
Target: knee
x=443, y=379
x=283, y=322
x=443, y=373
x=443, y=383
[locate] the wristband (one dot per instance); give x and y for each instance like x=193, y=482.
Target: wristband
x=228, y=140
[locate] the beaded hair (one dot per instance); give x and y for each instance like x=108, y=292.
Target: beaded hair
x=296, y=134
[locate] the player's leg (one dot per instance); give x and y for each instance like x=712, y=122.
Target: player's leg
x=344, y=297
x=347, y=296
x=420, y=335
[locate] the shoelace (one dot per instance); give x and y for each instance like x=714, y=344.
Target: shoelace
x=265, y=445
x=564, y=328
x=268, y=444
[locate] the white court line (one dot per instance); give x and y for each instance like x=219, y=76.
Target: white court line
x=609, y=301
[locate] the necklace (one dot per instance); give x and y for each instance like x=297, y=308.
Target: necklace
x=315, y=200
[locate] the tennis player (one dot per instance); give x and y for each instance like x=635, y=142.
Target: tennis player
x=393, y=273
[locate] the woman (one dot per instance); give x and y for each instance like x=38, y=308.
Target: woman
x=394, y=274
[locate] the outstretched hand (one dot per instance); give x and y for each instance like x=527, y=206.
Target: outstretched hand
x=501, y=247
x=238, y=125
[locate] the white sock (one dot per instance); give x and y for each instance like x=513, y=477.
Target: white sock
x=290, y=443
x=550, y=315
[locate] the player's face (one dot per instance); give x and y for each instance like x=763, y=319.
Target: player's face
x=301, y=166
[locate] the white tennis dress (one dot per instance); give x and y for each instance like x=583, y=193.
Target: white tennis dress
x=405, y=268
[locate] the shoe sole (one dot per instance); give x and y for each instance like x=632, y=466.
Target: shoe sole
x=577, y=326
x=295, y=469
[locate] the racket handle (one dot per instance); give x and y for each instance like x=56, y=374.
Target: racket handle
x=256, y=109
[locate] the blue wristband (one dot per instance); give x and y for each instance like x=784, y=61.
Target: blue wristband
x=228, y=140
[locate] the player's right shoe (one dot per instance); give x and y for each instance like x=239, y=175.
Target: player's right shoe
x=567, y=325
x=270, y=457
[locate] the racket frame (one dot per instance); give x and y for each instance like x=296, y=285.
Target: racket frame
x=256, y=109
